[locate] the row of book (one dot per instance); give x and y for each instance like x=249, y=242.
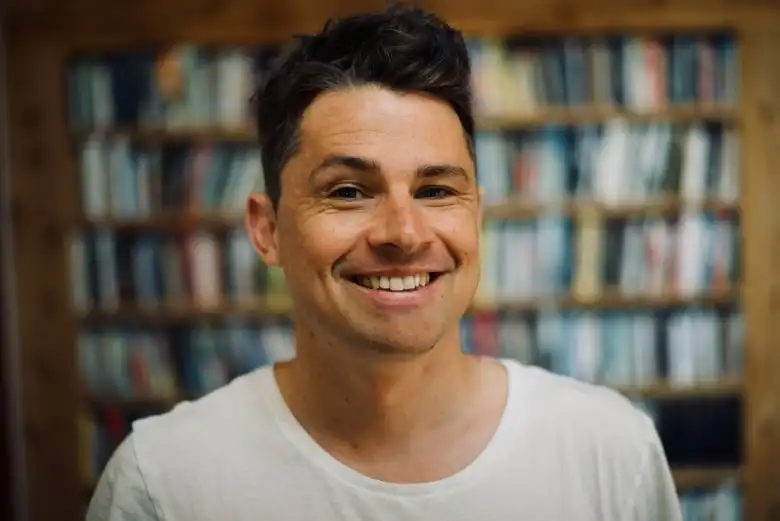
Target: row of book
x=616, y=162
x=616, y=348
x=180, y=86
x=611, y=163
x=189, y=85
x=200, y=269
x=143, y=363
x=123, y=179
x=612, y=348
x=724, y=503
x=698, y=254
x=100, y=433
x=519, y=75
x=694, y=254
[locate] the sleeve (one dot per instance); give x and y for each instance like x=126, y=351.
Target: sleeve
x=121, y=493
x=655, y=496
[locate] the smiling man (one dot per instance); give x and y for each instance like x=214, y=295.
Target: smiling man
x=373, y=211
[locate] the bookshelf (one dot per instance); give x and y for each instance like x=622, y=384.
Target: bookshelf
x=47, y=150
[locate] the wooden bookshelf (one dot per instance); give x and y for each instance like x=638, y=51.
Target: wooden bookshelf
x=542, y=117
x=279, y=307
x=662, y=206
x=704, y=477
x=42, y=37
x=725, y=387
x=591, y=115
x=510, y=210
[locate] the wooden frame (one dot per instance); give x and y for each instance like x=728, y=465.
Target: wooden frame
x=44, y=196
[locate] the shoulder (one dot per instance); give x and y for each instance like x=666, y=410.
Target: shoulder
x=121, y=492
x=183, y=463
x=595, y=411
x=169, y=459
x=209, y=423
x=157, y=445
x=599, y=434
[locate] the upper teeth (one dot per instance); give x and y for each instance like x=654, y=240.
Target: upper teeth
x=396, y=283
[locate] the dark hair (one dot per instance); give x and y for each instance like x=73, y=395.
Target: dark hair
x=401, y=48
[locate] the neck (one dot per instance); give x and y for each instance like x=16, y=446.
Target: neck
x=373, y=397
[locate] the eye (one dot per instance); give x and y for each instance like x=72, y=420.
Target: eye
x=434, y=192
x=347, y=192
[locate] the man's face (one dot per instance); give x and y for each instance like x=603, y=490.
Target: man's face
x=378, y=223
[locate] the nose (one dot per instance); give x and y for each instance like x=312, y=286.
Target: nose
x=399, y=226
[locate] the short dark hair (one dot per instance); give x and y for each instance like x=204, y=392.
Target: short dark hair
x=401, y=48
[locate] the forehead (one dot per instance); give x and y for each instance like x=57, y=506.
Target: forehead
x=398, y=130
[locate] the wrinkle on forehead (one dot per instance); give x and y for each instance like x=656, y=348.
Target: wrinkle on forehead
x=371, y=119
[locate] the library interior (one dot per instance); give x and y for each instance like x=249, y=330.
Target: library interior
x=129, y=283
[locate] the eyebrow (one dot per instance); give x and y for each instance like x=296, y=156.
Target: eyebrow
x=362, y=164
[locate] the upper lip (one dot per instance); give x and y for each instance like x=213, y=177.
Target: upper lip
x=394, y=272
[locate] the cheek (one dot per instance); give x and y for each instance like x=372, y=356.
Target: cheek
x=316, y=242
x=461, y=234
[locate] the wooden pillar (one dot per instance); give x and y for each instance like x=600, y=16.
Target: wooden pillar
x=42, y=201
x=761, y=224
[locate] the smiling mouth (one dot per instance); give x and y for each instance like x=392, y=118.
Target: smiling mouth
x=395, y=284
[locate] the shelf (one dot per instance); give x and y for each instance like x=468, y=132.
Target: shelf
x=174, y=314
x=723, y=388
x=539, y=117
x=572, y=116
x=611, y=300
x=659, y=206
x=689, y=478
x=168, y=221
x=180, y=134
x=511, y=210
x=146, y=403
x=281, y=308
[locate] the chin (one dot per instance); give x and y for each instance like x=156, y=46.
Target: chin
x=396, y=337
x=400, y=347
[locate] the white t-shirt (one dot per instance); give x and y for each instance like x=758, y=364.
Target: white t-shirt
x=563, y=451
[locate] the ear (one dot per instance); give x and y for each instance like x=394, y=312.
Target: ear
x=261, y=225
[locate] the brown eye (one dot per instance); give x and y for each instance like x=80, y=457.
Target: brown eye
x=434, y=192
x=346, y=192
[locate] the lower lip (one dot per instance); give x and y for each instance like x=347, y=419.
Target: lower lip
x=400, y=300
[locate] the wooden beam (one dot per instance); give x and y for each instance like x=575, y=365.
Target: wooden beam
x=760, y=51
x=41, y=207
x=88, y=24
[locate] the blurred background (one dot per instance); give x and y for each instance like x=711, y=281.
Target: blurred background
x=630, y=156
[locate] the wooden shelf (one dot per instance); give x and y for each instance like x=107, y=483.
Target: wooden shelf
x=167, y=221
x=43, y=153
x=276, y=308
x=175, y=314
x=723, y=388
x=513, y=209
x=540, y=117
x=572, y=116
x=612, y=300
x=689, y=478
x=150, y=403
x=517, y=209
x=178, y=134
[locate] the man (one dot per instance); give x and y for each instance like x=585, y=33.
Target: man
x=374, y=213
